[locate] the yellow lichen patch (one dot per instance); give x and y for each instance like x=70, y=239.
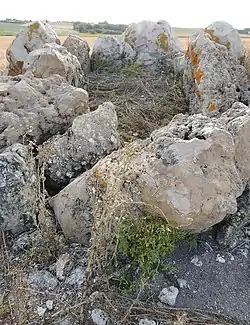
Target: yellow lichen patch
x=195, y=57
x=198, y=94
x=228, y=45
x=162, y=42
x=212, y=107
x=213, y=37
x=187, y=53
x=198, y=75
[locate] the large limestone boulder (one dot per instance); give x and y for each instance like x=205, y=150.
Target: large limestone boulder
x=148, y=44
x=32, y=37
x=54, y=59
x=35, y=109
x=18, y=193
x=80, y=48
x=109, y=53
x=91, y=137
x=151, y=41
x=213, y=76
x=223, y=33
x=189, y=172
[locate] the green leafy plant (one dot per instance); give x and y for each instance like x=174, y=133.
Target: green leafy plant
x=144, y=243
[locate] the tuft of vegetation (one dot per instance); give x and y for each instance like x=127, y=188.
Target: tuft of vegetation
x=100, y=28
x=144, y=242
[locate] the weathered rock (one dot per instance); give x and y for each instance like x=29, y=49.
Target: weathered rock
x=54, y=59
x=152, y=42
x=147, y=44
x=146, y=321
x=32, y=37
x=224, y=34
x=61, y=266
x=80, y=48
x=213, y=76
x=168, y=295
x=42, y=280
x=91, y=137
x=189, y=172
x=36, y=109
x=76, y=278
x=237, y=119
x=18, y=193
x=99, y=317
x=109, y=53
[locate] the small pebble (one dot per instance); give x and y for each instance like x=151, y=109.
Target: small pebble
x=41, y=311
x=168, y=295
x=220, y=259
x=182, y=283
x=49, y=304
x=196, y=262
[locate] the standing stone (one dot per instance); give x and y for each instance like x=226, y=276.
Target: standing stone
x=80, y=48
x=32, y=37
x=224, y=34
x=110, y=54
x=213, y=76
x=147, y=44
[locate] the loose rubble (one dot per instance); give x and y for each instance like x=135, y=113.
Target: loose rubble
x=169, y=295
x=91, y=137
x=54, y=59
x=36, y=109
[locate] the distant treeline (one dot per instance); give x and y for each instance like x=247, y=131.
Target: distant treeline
x=15, y=21
x=100, y=28
x=244, y=31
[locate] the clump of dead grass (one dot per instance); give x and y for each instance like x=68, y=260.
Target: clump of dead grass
x=144, y=101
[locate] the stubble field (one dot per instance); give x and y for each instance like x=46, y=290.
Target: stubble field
x=5, y=41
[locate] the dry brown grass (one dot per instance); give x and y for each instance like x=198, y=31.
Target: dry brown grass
x=144, y=102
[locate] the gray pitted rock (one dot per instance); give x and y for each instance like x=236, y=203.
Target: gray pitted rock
x=189, y=172
x=151, y=41
x=147, y=44
x=54, y=59
x=80, y=48
x=35, y=109
x=213, y=76
x=91, y=137
x=42, y=280
x=18, y=193
x=109, y=53
x=224, y=34
x=32, y=37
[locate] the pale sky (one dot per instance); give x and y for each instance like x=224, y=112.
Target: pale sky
x=179, y=13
